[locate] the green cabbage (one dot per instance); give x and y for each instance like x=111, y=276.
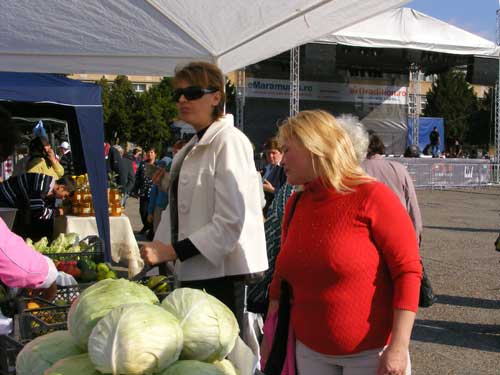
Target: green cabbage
x=70, y=239
x=191, y=367
x=226, y=367
x=135, y=339
x=41, y=245
x=58, y=243
x=99, y=299
x=74, y=365
x=41, y=353
x=210, y=328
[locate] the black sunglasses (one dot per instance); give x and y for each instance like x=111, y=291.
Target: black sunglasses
x=192, y=92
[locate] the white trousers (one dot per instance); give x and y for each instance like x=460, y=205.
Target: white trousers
x=310, y=362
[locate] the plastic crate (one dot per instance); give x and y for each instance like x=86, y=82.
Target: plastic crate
x=67, y=294
x=34, y=322
x=9, y=349
x=94, y=253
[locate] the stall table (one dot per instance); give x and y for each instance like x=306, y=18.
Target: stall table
x=123, y=243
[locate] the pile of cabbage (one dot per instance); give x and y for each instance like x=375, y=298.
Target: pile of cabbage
x=120, y=327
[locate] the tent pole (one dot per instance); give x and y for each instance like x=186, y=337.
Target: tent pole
x=496, y=128
x=497, y=105
x=294, y=80
x=240, y=98
x=414, y=102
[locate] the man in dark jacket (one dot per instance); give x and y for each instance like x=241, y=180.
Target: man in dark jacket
x=34, y=196
x=66, y=159
x=434, y=139
x=273, y=175
x=127, y=175
x=143, y=184
x=114, y=164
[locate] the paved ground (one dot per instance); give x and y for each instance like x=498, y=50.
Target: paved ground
x=461, y=333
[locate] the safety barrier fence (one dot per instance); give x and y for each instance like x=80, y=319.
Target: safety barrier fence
x=442, y=173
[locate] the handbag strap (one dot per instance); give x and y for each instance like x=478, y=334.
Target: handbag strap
x=278, y=352
x=288, y=219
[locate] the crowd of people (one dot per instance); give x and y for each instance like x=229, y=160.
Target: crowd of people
x=314, y=222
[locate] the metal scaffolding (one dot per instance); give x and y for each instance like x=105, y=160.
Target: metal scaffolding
x=294, y=80
x=497, y=102
x=414, y=102
x=240, y=98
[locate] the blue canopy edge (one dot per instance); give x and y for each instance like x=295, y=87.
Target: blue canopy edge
x=85, y=98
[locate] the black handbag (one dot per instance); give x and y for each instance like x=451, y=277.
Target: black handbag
x=277, y=356
x=427, y=297
x=497, y=243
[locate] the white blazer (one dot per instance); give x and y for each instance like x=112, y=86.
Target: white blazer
x=219, y=206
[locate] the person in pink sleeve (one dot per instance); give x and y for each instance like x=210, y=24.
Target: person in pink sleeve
x=20, y=265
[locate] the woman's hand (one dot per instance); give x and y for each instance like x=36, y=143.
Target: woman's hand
x=52, y=155
x=157, y=252
x=393, y=361
x=268, y=187
x=158, y=175
x=49, y=293
x=395, y=358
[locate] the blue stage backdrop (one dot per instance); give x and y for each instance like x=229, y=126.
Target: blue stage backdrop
x=426, y=126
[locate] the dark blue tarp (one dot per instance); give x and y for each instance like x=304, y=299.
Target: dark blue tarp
x=425, y=128
x=85, y=98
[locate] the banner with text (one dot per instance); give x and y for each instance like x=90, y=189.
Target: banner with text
x=327, y=91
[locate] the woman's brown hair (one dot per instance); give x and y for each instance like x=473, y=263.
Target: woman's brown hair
x=204, y=75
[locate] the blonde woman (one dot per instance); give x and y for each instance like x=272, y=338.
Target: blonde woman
x=349, y=254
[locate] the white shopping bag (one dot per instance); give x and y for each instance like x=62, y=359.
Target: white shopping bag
x=243, y=358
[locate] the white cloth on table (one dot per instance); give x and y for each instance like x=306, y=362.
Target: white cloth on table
x=123, y=243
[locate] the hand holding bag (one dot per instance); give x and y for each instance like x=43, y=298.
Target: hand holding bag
x=281, y=359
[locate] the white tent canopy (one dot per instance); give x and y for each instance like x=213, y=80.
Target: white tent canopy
x=407, y=28
x=151, y=37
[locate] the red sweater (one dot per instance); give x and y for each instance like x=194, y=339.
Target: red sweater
x=350, y=259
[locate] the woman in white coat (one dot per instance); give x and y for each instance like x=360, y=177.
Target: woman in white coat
x=213, y=226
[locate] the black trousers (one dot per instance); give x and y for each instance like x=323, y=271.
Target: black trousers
x=143, y=210
x=229, y=290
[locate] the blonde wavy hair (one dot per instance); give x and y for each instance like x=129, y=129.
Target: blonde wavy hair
x=334, y=158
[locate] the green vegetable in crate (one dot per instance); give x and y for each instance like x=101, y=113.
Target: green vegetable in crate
x=158, y=284
x=41, y=353
x=70, y=239
x=88, y=268
x=226, y=367
x=102, y=268
x=107, y=275
x=84, y=246
x=99, y=299
x=104, y=272
x=191, y=367
x=73, y=249
x=210, y=328
x=57, y=244
x=87, y=264
x=41, y=245
x=74, y=365
x=135, y=339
